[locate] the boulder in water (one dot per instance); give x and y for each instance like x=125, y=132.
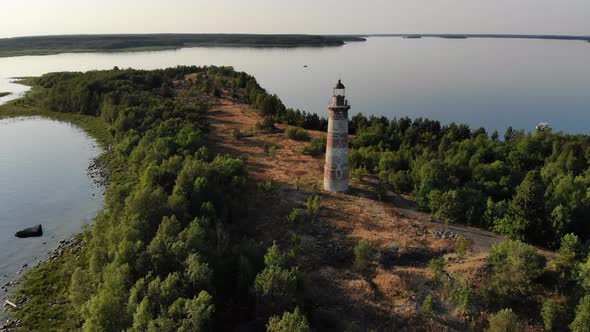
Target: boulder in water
x=30, y=232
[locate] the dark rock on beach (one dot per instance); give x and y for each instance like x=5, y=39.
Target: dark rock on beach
x=30, y=232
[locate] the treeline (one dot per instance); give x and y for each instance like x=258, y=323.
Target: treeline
x=168, y=252
x=533, y=187
x=58, y=44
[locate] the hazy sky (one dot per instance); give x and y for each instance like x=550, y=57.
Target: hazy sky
x=44, y=17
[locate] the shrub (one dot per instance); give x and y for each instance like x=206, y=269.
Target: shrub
x=566, y=260
x=552, y=312
x=266, y=186
x=381, y=190
x=582, y=321
x=359, y=173
x=271, y=150
x=297, y=134
x=237, y=134
x=463, y=298
x=296, y=217
x=363, y=254
x=437, y=267
x=267, y=125
x=584, y=275
x=462, y=246
x=290, y=322
x=297, y=182
x=316, y=147
x=515, y=267
x=427, y=308
x=313, y=205
x=276, y=285
x=401, y=181
x=504, y=321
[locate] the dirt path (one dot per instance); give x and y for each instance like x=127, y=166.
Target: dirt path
x=481, y=240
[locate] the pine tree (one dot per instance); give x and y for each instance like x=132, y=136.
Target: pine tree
x=582, y=321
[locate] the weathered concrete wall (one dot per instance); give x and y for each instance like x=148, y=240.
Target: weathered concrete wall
x=336, y=165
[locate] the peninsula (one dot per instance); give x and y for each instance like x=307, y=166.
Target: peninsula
x=214, y=218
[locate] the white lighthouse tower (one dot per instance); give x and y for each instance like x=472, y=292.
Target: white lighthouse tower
x=336, y=166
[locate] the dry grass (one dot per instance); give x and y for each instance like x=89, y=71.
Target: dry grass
x=382, y=298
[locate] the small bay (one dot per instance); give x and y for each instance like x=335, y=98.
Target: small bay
x=43, y=180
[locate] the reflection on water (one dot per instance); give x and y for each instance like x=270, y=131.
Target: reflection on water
x=43, y=180
x=493, y=83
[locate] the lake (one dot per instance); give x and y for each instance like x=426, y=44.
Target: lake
x=494, y=83
x=43, y=180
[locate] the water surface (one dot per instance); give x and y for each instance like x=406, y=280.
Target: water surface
x=43, y=180
x=494, y=83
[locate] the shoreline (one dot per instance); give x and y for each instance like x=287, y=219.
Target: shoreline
x=154, y=49
x=50, y=45
x=55, y=248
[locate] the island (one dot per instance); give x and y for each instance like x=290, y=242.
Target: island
x=45, y=45
x=4, y=94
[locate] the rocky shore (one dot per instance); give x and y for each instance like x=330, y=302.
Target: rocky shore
x=97, y=172
x=72, y=246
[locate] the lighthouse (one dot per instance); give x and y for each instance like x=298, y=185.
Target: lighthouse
x=336, y=165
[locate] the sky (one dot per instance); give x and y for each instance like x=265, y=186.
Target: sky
x=49, y=17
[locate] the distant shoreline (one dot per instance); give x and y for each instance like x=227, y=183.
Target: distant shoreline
x=494, y=36
x=49, y=45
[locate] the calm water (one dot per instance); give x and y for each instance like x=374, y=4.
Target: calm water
x=43, y=180
x=493, y=83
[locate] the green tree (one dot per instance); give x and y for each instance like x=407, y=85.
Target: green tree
x=527, y=217
x=504, y=321
x=515, y=267
x=198, y=313
x=552, y=313
x=276, y=285
x=106, y=310
x=274, y=257
x=197, y=273
x=582, y=321
x=584, y=275
x=290, y=322
x=566, y=260
x=437, y=267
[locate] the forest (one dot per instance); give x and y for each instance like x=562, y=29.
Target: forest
x=170, y=250
x=40, y=45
